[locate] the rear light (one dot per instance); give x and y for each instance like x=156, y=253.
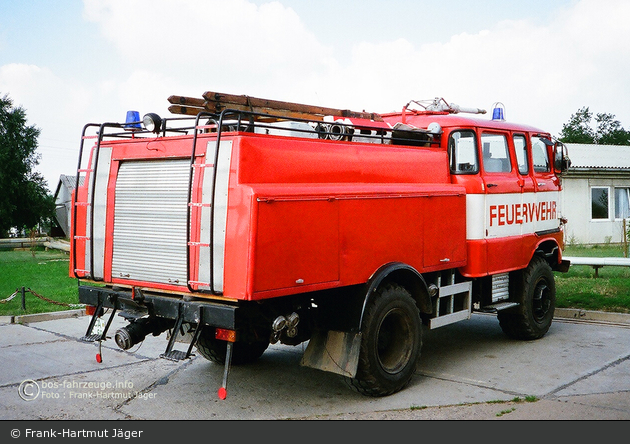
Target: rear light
x=224, y=334
x=90, y=310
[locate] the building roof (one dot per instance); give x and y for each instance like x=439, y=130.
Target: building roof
x=604, y=157
x=69, y=182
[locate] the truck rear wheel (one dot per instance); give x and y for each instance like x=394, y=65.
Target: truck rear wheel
x=535, y=290
x=242, y=353
x=391, y=342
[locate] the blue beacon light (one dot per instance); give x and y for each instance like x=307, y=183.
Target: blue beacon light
x=132, y=122
x=498, y=112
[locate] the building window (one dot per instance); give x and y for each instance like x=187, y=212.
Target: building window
x=622, y=203
x=600, y=203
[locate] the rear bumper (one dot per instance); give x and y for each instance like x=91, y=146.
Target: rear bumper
x=137, y=304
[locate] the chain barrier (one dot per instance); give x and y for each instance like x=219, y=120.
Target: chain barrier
x=64, y=304
x=50, y=301
x=4, y=301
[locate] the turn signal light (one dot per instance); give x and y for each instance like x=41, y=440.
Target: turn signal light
x=224, y=334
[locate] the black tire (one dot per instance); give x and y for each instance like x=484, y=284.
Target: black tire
x=391, y=343
x=242, y=353
x=535, y=290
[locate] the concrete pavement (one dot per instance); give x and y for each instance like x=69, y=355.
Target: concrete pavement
x=468, y=371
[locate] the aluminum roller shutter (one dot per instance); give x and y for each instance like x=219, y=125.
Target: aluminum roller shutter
x=149, y=242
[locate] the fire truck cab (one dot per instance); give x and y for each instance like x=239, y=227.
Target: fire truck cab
x=253, y=222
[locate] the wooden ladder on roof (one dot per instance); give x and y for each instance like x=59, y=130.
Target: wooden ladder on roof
x=215, y=103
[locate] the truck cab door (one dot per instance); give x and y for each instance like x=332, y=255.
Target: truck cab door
x=522, y=151
x=499, y=174
x=547, y=184
x=504, y=187
x=545, y=178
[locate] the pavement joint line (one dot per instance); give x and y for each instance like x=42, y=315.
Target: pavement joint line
x=134, y=353
x=588, y=404
x=466, y=381
x=592, y=322
x=36, y=343
x=149, y=388
x=82, y=372
x=589, y=374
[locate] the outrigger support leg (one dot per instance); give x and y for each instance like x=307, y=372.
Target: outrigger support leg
x=89, y=336
x=226, y=370
x=175, y=355
x=195, y=337
x=92, y=337
x=178, y=355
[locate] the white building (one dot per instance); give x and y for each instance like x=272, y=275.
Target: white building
x=596, y=195
x=63, y=201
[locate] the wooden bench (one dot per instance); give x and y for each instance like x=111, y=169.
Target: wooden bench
x=598, y=262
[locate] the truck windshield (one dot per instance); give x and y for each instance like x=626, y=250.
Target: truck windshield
x=540, y=156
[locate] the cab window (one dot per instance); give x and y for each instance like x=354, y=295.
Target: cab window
x=462, y=151
x=520, y=146
x=496, y=156
x=540, y=156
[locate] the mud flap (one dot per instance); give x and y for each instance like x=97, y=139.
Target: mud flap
x=333, y=351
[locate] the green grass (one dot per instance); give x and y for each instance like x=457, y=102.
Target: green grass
x=578, y=288
x=44, y=272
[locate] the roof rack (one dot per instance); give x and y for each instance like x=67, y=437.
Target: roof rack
x=439, y=105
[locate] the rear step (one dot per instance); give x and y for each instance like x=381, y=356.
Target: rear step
x=499, y=306
x=90, y=336
x=178, y=355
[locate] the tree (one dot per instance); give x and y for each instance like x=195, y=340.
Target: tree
x=578, y=129
x=607, y=132
x=25, y=200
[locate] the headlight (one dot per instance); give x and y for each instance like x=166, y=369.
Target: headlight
x=152, y=122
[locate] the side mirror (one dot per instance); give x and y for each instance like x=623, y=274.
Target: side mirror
x=561, y=161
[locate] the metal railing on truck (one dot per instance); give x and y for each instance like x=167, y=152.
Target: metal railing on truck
x=249, y=121
x=229, y=120
x=89, y=171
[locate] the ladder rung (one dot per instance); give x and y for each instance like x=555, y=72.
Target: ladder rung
x=86, y=170
x=81, y=238
x=203, y=165
x=83, y=204
x=198, y=244
x=201, y=284
x=198, y=204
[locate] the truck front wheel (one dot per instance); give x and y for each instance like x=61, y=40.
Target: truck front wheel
x=391, y=342
x=535, y=290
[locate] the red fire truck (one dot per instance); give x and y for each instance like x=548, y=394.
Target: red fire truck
x=240, y=222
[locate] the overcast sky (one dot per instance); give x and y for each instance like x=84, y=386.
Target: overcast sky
x=70, y=62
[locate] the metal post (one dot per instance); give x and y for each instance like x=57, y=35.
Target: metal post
x=23, y=299
x=625, y=238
